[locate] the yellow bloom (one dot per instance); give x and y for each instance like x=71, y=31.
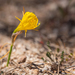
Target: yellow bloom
x=29, y=22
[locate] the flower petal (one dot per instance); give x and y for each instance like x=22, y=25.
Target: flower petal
x=25, y=32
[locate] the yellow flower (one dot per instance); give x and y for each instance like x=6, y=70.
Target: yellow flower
x=29, y=22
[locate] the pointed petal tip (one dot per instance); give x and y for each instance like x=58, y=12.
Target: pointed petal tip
x=25, y=32
x=25, y=36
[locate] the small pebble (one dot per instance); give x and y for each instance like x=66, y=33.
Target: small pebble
x=21, y=59
x=4, y=64
x=45, y=74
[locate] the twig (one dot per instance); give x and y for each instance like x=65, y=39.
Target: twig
x=18, y=65
x=69, y=67
x=58, y=68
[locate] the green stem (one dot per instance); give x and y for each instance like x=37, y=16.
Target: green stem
x=9, y=54
x=13, y=35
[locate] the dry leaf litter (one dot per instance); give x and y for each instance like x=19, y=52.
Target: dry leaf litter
x=29, y=58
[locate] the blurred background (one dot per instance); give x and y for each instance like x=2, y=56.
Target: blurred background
x=57, y=18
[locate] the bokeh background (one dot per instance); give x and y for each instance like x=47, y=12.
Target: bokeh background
x=49, y=51
x=57, y=18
